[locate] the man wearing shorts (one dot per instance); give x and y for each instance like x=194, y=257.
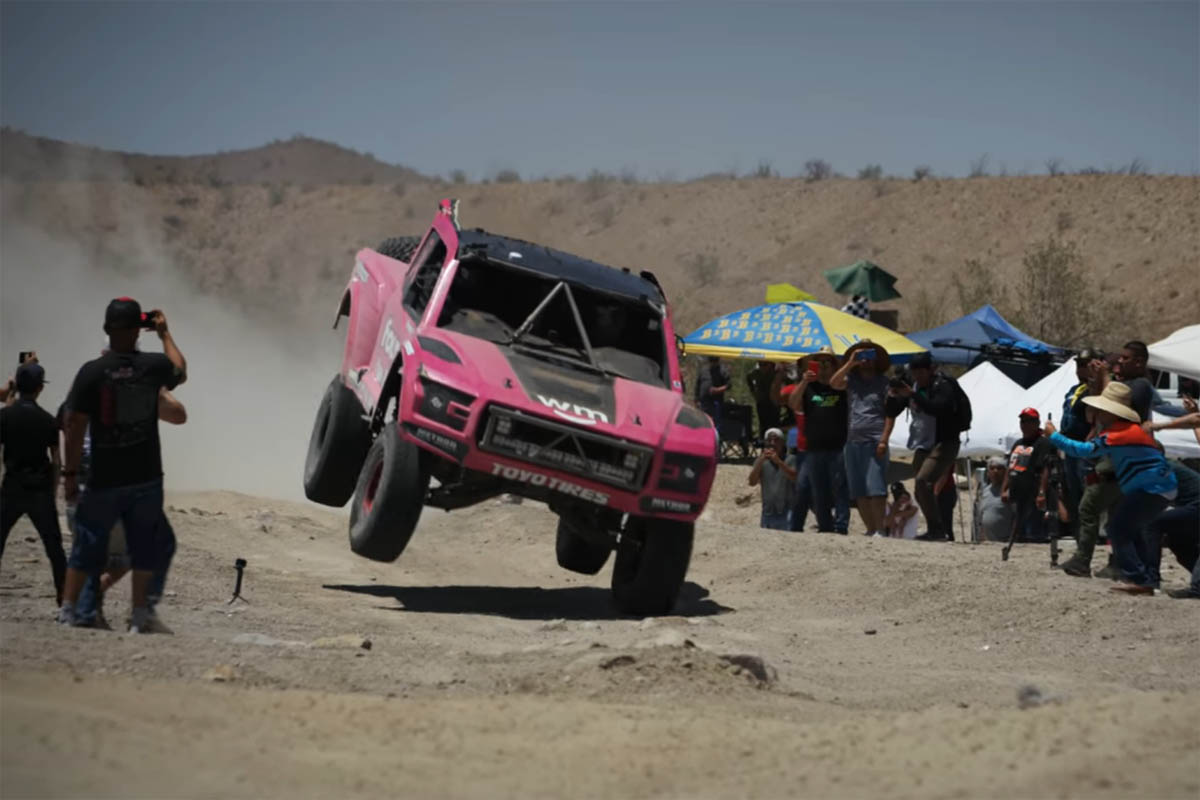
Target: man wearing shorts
x=115, y=398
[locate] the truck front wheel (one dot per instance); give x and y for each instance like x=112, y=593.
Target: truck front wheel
x=388, y=498
x=652, y=561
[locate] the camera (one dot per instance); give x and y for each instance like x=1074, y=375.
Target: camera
x=147, y=323
x=866, y=354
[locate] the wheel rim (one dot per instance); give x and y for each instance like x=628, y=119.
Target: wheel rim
x=372, y=487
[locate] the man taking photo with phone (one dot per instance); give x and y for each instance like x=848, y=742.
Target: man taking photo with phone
x=115, y=397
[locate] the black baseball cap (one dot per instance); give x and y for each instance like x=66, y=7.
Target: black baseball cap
x=921, y=361
x=123, y=313
x=30, y=377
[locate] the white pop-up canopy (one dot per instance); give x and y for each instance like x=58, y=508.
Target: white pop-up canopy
x=1047, y=397
x=1178, y=353
x=989, y=389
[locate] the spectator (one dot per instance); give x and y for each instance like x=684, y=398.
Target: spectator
x=115, y=399
x=90, y=609
x=1028, y=478
x=824, y=410
x=8, y=392
x=29, y=441
x=1146, y=482
x=935, y=394
x=797, y=442
x=776, y=473
x=1178, y=529
x=862, y=377
x=761, y=382
x=993, y=516
x=900, y=518
x=1077, y=426
x=1101, y=486
x=711, y=385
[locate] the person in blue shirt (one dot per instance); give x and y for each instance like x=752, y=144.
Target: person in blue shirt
x=1146, y=481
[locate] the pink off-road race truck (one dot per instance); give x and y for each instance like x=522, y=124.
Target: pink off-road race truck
x=478, y=365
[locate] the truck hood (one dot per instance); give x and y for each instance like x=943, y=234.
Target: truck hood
x=615, y=406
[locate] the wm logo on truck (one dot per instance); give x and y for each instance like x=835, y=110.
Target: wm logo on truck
x=573, y=412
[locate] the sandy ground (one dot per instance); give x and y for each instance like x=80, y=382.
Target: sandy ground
x=887, y=668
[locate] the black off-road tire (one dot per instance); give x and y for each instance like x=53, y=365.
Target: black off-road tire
x=388, y=497
x=578, y=553
x=652, y=561
x=337, y=446
x=400, y=248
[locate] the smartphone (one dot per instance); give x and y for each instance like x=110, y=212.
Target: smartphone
x=866, y=354
x=813, y=368
x=148, y=321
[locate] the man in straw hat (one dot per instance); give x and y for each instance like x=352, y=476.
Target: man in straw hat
x=825, y=412
x=1146, y=481
x=776, y=471
x=871, y=418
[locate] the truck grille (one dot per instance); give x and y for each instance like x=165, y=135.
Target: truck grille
x=511, y=433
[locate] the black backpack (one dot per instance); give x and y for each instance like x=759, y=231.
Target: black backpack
x=962, y=404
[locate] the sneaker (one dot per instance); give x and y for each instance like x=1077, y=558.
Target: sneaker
x=929, y=536
x=154, y=624
x=1186, y=593
x=1076, y=567
x=66, y=616
x=1110, y=571
x=139, y=621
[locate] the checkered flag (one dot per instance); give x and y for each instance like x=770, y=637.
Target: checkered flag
x=858, y=306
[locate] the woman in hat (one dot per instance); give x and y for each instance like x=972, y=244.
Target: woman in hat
x=1146, y=480
x=863, y=377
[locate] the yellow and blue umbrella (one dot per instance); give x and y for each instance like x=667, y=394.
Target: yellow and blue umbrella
x=786, y=331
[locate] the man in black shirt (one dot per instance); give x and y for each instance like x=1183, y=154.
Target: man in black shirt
x=935, y=394
x=29, y=439
x=1028, y=477
x=825, y=425
x=115, y=399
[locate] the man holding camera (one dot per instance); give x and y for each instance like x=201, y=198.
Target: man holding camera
x=115, y=398
x=935, y=394
x=870, y=420
x=29, y=439
x=826, y=421
x=776, y=471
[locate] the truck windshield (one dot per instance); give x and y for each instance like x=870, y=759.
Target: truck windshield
x=544, y=317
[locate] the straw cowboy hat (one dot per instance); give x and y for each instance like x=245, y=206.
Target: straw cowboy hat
x=1117, y=400
x=824, y=354
x=882, y=359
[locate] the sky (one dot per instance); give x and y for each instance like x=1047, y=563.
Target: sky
x=667, y=90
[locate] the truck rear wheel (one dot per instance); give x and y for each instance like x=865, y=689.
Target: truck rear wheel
x=388, y=498
x=337, y=446
x=578, y=553
x=652, y=561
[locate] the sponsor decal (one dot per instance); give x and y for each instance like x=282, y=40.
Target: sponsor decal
x=442, y=442
x=573, y=412
x=360, y=272
x=668, y=506
x=408, y=348
x=390, y=342
x=550, y=482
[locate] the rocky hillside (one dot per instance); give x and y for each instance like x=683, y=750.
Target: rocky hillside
x=276, y=227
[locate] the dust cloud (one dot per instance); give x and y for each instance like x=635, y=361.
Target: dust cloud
x=252, y=388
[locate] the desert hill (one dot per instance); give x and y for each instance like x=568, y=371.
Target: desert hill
x=280, y=235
